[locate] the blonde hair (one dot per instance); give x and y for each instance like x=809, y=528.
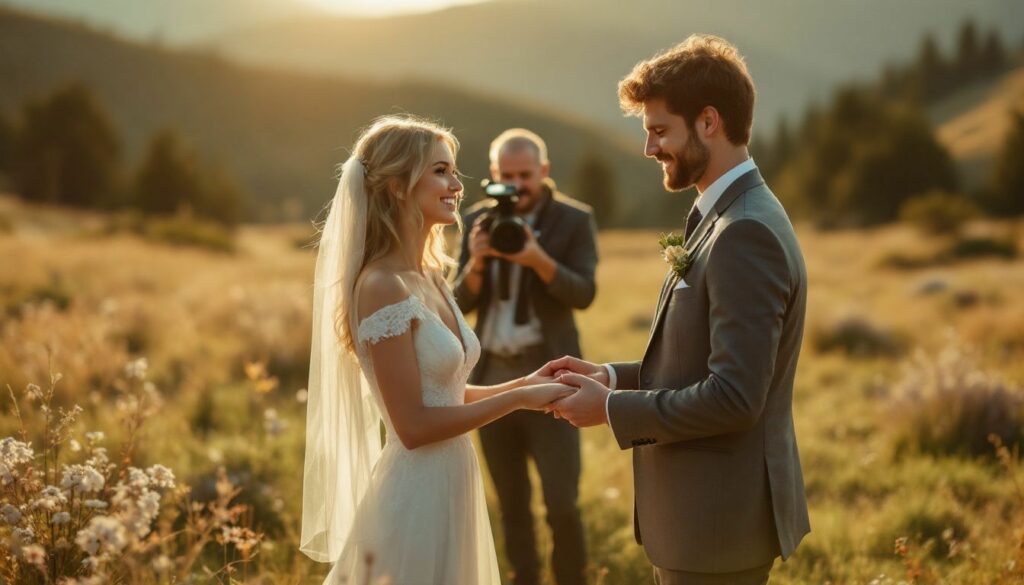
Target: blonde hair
x=518, y=139
x=395, y=153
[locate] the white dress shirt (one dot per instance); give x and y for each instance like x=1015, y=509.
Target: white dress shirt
x=500, y=333
x=705, y=203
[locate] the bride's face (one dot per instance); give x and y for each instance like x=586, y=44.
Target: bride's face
x=439, y=190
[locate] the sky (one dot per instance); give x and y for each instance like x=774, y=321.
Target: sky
x=385, y=7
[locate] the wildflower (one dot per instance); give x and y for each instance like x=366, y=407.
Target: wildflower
x=81, y=478
x=103, y=535
x=14, y=452
x=23, y=535
x=96, y=504
x=6, y=477
x=162, y=564
x=34, y=555
x=60, y=518
x=161, y=476
x=33, y=392
x=74, y=445
x=50, y=499
x=136, y=369
x=272, y=423
x=11, y=514
x=137, y=478
x=94, y=437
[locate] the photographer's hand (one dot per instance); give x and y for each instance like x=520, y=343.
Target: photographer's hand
x=534, y=257
x=479, y=245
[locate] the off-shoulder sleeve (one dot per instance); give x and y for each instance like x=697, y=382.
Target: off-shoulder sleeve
x=389, y=321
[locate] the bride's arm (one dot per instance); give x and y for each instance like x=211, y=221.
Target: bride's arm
x=474, y=392
x=398, y=376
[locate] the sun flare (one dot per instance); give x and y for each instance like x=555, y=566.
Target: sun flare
x=386, y=7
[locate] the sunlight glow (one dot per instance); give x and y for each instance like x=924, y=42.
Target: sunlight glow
x=386, y=7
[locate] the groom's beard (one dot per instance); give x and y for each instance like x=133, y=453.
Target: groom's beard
x=688, y=165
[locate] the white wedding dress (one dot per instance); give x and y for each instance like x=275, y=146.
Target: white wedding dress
x=423, y=520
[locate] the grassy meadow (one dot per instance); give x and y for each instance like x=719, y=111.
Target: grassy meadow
x=906, y=368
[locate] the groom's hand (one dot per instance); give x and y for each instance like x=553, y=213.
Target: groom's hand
x=574, y=365
x=586, y=407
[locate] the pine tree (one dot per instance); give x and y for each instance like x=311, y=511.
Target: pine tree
x=66, y=150
x=169, y=179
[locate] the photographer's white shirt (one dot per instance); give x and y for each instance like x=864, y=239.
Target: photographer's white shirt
x=500, y=334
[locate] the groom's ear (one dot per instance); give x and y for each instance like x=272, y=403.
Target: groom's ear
x=709, y=122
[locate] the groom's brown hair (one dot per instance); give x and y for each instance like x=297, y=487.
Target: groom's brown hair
x=702, y=71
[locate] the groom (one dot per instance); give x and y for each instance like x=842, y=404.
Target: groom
x=708, y=410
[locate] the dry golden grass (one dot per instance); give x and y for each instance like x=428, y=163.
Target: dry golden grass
x=88, y=304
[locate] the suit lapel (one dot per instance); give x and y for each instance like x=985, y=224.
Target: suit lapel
x=741, y=185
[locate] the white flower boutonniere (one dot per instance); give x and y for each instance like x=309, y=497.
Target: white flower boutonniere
x=674, y=254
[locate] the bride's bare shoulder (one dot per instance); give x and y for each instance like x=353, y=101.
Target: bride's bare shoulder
x=377, y=287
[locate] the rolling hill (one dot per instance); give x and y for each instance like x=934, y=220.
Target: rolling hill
x=973, y=123
x=570, y=54
x=282, y=133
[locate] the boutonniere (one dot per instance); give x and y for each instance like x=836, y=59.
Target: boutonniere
x=674, y=254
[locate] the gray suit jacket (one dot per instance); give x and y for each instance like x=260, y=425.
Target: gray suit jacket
x=568, y=234
x=708, y=411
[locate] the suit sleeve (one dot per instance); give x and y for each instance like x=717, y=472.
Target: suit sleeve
x=627, y=375
x=574, y=283
x=749, y=284
x=464, y=297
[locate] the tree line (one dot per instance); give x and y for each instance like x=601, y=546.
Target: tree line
x=863, y=157
x=63, y=149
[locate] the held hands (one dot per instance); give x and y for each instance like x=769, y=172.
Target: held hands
x=585, y=407
x=540, y=396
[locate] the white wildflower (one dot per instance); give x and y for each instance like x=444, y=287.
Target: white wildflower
x=103, y=535
x=50, y=499
x=74, y=445
x=161, y=476
x=14, y=452
x=33, y=392
x=162, y=564
x=96, y=504
x=95, y=437
x=149, y=504
x=11, y=514
x=23, y=535
x=81, y=478
x=34, y=555
x=6, y=477
x=137, y=478
x=60, y=518
x=136, y=369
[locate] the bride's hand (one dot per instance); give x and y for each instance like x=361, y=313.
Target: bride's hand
x=538, y=396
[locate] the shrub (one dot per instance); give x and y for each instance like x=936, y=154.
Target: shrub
x=939, y=212
x=946, y=405
x=183, y=230
x=857, y=337
x=974, y=248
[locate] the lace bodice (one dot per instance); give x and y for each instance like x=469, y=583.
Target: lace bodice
x=443, y=361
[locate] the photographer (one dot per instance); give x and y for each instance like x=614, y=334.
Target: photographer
x=525, y=298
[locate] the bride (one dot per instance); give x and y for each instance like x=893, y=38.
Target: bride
x=389, y=343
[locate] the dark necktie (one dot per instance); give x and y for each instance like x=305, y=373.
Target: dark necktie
x=692, y=221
